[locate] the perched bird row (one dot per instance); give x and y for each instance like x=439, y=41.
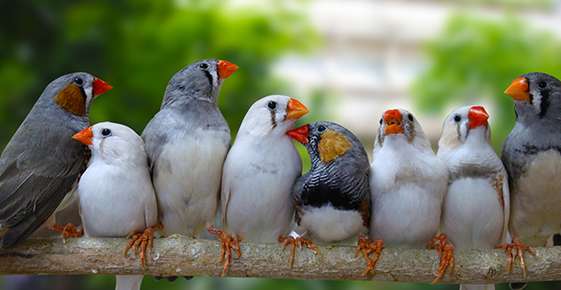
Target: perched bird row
x=176, y=175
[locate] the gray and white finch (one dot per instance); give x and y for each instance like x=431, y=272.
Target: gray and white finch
x=476, y=207
x=532, y=158
x=186, y=143
x=117, y=198
x=408, y=184
x=258, y=176
x=332, y=200
x=41, y=163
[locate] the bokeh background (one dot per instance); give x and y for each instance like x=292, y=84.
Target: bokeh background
x=348, y=60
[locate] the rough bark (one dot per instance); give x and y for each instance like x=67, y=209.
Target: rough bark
x=179, y=256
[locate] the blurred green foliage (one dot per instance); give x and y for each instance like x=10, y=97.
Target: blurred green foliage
x=476, y=58
x=137, y=45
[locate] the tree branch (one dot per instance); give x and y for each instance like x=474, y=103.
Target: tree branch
x=180, y=256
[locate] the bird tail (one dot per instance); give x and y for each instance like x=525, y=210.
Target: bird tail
x=477, y=287
x=128, y=282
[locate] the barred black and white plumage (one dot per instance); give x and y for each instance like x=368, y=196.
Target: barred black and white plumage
x=332, y=200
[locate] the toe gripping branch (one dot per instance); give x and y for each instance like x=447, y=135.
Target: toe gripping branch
x=296, y=241
x=142, y=242
x=228, y=243
x=366, y=248
x=445, y=251
x=515, y=251
x=68, y=231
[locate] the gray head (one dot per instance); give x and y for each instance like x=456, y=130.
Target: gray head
x=74, y=92
x=199, y=81
x=330, y=143
x=537, y=98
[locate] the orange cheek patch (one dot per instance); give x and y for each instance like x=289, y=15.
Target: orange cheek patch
x=332, y=145
x=72, y=99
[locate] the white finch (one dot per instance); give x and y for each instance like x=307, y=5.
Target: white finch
x=476, y=207
x=408, y=183
x=258, y=175
x=116, y=193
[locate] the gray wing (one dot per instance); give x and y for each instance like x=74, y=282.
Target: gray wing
x=155, y=135
x=37, y=169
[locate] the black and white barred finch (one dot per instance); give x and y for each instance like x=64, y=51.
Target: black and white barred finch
x=332, y=200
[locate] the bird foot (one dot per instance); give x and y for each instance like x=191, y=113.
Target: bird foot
x=228, y=243
x=445, y=251
x=142, y=242
x=514, y=251
x=366, y=247
x=296, y=241
x=67, y=231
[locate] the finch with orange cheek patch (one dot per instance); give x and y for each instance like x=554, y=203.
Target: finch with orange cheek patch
x=476, y=207
x=116, y=193
x=332, y=200
x=42, y=163
x=408, y=184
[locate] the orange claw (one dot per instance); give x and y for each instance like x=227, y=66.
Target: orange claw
x=228, y=244
x=514, y=251
x=141, y=242
x=68, y=230
x=445, y=251
x=366, y=247
x=296, y=241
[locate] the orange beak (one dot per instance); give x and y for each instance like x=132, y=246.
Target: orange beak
x=519, y=89
x=477, y=117
x=295, y=109
x=300, y=134
x=392, y=119
x=100, y=87
x=226, y=69
x=85, y=136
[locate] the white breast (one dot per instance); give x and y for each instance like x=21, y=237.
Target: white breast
x=188, y=178
x=536, y=200
x=328, y=224
x=408, y=187
x=115, y=201
x=472, y=214
x=257, y=186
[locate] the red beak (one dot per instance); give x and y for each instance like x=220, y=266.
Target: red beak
x=226, y=69
x=393, y=119
x=477, y=117
x=85, y=136
x=300, y=134
x=100, y=87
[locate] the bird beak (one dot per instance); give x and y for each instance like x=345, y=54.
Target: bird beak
x=392, y=119
x=477, y=117
x=226, y=69
x=295, y=109
x=519, y=89
x=300, y=134
x=85, y=136
x=100, y=87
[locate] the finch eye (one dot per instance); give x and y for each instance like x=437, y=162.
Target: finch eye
x=457, y=118
x=106, y=132
x=542, y=84
x=272, y=105
x=321, y=128
x=410, y=117
x=203, y=65
x=78, y=81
